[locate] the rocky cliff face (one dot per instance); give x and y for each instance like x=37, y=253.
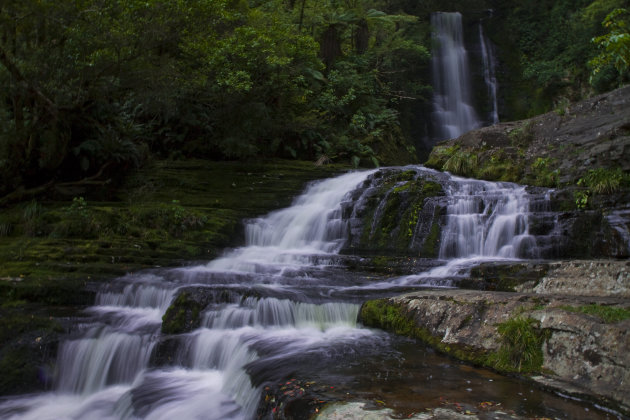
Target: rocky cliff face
x=558, y=147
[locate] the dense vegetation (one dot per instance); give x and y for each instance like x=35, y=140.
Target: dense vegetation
x=91, y=88
x=548, y=52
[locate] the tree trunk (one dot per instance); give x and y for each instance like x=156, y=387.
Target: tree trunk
x=330, y=47
x=362, y=37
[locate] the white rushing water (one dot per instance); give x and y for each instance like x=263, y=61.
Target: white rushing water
x=105, y=371
x=274, y=306
x=487, y=219
x=454, y=113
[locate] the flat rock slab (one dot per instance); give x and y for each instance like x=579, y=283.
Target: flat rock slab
x=359, y=411
x=573, y=278
x=582, y=355
x=590, y=278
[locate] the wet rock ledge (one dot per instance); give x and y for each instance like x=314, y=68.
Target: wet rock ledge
x=568, y=331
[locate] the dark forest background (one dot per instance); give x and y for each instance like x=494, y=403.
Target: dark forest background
x=90, y=89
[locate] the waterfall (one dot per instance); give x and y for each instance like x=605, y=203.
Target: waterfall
x=289, y=238
x=116, y=349
x=277, y=308
x=489, y=74
x=487, y=219
x=453, y=113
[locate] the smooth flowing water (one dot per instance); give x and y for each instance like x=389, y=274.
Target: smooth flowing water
x=454, y=113
x=489, y=75
x=282, y=307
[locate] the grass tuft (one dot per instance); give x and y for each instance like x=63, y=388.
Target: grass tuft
x=608, y=314
x=521, y=346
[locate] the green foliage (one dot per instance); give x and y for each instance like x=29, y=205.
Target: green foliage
x=609, y=314
x=172, y=218
x=581, y=199
x=462, y=162
x=614, y=46
x=604, y=180
x=78, y=221
x=31, y=218
x=543, y=175
x=546, y=46
x=521, y=346
x=90, y=88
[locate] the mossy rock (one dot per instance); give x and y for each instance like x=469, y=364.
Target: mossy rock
x=392, y=214
x=182, y=315
x=28, y=346
x=520, y=338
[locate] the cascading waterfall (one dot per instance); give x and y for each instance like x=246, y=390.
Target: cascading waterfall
x=453, y=113
x=275, y=308
x=288, y=238
x=489, y=74
x=106, y=371
x=487, y=219
x=116, y=349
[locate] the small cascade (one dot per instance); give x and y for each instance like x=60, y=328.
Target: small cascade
x=117, y=347
x=486, y=219
x=453, y=113
x=313, y=225
x=489, y=75
x=272, y=312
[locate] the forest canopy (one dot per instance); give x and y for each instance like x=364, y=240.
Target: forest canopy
x=91, y=88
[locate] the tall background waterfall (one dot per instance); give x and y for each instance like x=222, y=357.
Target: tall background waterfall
x=454, y=110
x=454, y=113
x=489, y=75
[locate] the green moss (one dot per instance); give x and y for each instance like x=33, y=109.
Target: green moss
x=462, y=162
x=608, y=314
x=14, y=323
x=440, y=155
x=163, y=214
x=431, y=245
x=182, y=315
x=521, y=339
x=392, y=317
x=399, y=204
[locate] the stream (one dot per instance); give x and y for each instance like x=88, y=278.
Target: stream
x=283, y=307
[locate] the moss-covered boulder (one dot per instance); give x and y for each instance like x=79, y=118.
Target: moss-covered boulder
x=399, y=215
x=182, y=315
